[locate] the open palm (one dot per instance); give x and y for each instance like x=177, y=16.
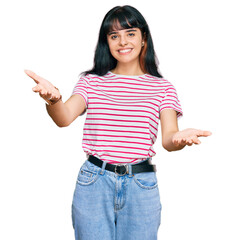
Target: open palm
x=189, y=136
x=45, y=89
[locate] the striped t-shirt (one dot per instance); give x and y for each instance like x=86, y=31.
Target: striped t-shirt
x=123, y=112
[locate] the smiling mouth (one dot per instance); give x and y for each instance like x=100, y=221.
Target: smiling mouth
x=125, y=51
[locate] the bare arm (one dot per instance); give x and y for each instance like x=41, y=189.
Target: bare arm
x=169, y=126
x=172, y=138
x=63, y=114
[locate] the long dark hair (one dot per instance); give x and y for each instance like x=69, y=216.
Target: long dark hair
x=126, y=17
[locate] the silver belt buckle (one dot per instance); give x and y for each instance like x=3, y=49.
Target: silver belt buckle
x=126, y=169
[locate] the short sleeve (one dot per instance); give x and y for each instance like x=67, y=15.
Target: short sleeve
x=81, y=89
x=171, y=100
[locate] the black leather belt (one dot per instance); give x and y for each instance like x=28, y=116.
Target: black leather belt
x=122, y=169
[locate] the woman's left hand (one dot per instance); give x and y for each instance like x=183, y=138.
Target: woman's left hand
x=189, y=136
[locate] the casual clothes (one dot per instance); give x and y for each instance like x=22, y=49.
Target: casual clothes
x=123, y=114
x=110, y=207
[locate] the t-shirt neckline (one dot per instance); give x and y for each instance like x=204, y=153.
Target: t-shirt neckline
x=131, y=76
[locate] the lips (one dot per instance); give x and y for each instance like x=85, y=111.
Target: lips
x=125, y=50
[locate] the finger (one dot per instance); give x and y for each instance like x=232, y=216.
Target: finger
x=43, y=92
x=36, y=88
x=33, y=75
x=196, y=140
x=188, y=141
x=176, y=143
x=55, y=92
x=202, y=133
x=51, y=96
x=182, y=141
x=46, y=94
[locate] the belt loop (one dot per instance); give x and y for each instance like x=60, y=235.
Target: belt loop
x=130, y=170
x=103, y=167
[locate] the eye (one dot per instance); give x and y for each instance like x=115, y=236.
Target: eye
x=131, y=34
x=113, y=37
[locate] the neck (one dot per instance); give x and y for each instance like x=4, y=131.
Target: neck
x=127, y=69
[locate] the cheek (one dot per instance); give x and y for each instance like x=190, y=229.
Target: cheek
x=138, y=43
x=138, y=46
x=113, y=50
x=111, y=47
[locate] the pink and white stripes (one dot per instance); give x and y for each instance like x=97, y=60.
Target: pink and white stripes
x=122, y=119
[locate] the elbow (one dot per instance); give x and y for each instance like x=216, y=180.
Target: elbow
x=63, y=124
x=172, y=148
x=167, y=148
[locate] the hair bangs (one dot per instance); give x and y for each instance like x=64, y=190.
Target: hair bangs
x=120, y=20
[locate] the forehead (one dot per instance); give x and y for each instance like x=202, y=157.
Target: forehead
x=123, y=31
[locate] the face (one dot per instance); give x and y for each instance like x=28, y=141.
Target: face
x=125, y=45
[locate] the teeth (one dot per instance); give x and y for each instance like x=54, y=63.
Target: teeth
x=125, y=51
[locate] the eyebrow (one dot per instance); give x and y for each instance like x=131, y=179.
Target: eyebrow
x=129, y=30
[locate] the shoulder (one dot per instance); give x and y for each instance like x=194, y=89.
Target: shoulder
x=161, y=81
x=85, y=78
x=92, y=76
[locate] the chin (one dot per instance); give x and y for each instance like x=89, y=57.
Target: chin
x=126, y=59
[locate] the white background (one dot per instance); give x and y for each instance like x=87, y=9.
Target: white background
x=195, y=44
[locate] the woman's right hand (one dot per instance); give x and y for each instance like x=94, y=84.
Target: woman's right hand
x=45, y=89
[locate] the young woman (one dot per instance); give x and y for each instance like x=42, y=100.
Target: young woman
x=116, y=194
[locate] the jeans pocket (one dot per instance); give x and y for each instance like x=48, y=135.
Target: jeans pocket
x=87, y=175
x=146, y=180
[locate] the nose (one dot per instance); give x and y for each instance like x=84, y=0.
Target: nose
x=123, y=40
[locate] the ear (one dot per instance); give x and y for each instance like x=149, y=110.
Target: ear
x=144, y=36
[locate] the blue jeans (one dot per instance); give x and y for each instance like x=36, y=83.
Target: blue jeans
x=107, y=206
